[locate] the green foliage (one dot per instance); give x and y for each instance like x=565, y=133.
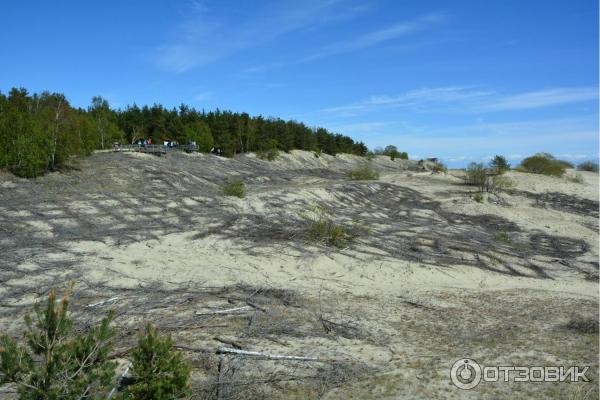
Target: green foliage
x=575, y=178
x=590, y=166
x=543, y=164
x=370, y=156
x=486, y=179
x=500, y=183
x=476, y=175
x=502, y=236
x=58, y=364
x=478, y=197
x=42, y=132
x=499, y=164
x=363, y=173
x=199, y=132
x=270, y=153
x=438, y=168
x=235, y=188
x=322, y=229
x=317, y=153
x=392, y=152
x=158, y=372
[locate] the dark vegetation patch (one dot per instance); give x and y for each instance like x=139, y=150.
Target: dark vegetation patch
x=563, y=202
x=581, y=324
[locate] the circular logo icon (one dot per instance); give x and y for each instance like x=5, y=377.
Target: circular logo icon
x=465, y=373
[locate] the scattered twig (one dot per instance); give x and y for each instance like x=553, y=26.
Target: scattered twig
x=230, y=342
x=227, y=311
x=112, y=300
x=256, y=354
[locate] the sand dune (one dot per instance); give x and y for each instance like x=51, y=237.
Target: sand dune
x=424, y=282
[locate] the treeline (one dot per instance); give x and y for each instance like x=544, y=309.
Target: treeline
x=40, y=132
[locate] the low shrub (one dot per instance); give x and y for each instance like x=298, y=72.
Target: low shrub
x=317, y=153
x=478, y=197
x=438, y=168
x=476, y=175
x=575, y=178
x=502, y=236
x=486, y=179
x=322, y=229
x=404, y=155
x=500, y=183
x=363, y=173
x=583, y=325
x=543, y=164
x=57, y=362
x=270, y=152
x=590, y=166
x=158, y=371
x=235, y=188
x=268, y=155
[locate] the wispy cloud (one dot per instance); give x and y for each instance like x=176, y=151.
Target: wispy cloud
x=542, y=98
x=210, y=34
x=374, y=38
x=469, y=99
x=203, y=96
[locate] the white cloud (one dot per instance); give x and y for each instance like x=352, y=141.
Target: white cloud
x=209, y=34
x=542, y=98
x=203, y=96
x=373, y=38
x=467, y=99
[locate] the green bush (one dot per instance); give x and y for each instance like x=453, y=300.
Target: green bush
x=575, y=178
x=58, y=363
x=543, y=164
x=439, y=167
x=476, y=175
x=499, y=164
x=363, y=173
x=235, y=188
x=158, y=371
x=270, y=153
x=590, y=166
x=322, y=229
x=485, y=179
x=502, y=236
x=478, y=197
x=404, y=155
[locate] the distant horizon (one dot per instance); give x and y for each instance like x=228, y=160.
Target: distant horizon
x=433, y=80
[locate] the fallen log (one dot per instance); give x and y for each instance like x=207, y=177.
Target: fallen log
x=112, y=300
x=226, y=311
x=230, y=342
x=265, y=356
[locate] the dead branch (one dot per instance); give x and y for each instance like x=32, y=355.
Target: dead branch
x=230, y=342
x=227, y=311
x=265, y=356
x=112, y=300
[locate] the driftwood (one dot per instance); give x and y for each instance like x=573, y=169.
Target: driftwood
x=230, y=342
x=194, y=349
x=265, y=356
x=227, y=311
x=112, y=300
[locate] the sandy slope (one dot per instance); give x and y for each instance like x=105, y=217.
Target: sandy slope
x=424, y=283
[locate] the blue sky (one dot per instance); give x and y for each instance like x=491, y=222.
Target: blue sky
x=462, y=80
